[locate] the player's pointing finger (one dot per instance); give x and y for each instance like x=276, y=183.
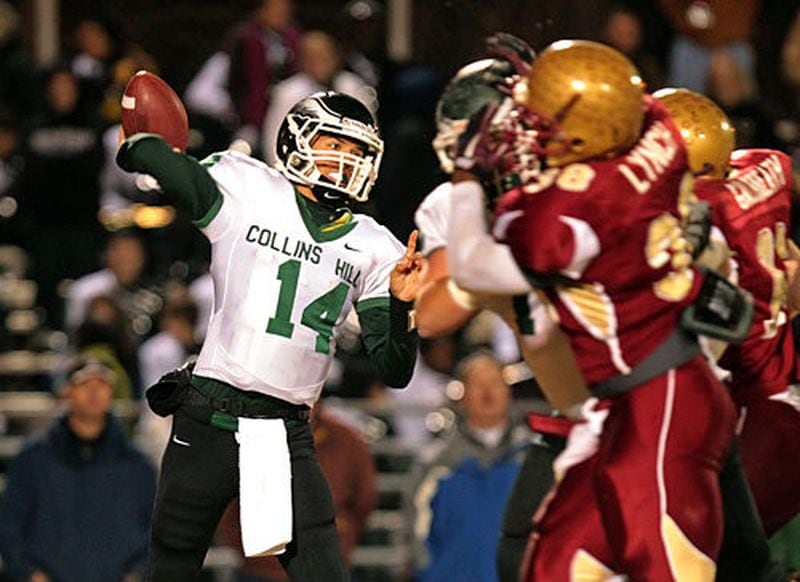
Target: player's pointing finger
x=412, y=243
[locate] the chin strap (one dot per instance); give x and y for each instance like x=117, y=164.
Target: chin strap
x=329, y=197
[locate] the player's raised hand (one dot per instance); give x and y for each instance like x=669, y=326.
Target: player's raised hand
x=406, y=276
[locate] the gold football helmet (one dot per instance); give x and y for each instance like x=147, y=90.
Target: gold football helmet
x=591, y=97
x=705, y=129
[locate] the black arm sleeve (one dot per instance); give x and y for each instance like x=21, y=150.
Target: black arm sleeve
x=391, y=347
x=183, y=180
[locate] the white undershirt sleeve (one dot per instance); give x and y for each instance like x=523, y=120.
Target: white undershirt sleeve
x=476, y=261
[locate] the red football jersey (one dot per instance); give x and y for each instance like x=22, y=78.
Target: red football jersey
x=613, y=225
x=752, y=210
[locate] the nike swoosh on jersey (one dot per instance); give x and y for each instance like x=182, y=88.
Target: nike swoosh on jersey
x=178, y=441
x=349, y=248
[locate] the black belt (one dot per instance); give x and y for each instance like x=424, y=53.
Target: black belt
x=224, y=412
x=677, y=349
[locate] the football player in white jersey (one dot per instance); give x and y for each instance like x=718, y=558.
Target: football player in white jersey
x=442, y=307
x=289, y=262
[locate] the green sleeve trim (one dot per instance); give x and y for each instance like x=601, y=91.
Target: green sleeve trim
x=206, y=219
x=211, y=160
x=362, y=306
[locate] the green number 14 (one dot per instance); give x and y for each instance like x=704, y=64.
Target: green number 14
x=320, y=315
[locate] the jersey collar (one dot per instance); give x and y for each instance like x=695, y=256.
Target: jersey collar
x=320, y=223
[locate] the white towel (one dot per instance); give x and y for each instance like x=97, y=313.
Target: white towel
x=265, y=486
x=583, y=440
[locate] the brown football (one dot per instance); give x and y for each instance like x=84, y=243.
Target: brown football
x=150, y=105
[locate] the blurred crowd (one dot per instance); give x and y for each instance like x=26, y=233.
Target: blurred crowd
x=111, y=283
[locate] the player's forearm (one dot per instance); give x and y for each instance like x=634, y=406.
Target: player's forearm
x=550, y=357
x=391, y=346
x=438, y=312
x=477, y=261
x=183, y=180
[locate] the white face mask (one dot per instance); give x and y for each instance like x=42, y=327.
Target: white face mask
x=354, y=174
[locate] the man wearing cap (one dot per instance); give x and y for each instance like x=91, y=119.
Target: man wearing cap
x=79, y=497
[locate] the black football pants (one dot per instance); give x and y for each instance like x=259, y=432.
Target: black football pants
x=199, y=478
x=744, y=556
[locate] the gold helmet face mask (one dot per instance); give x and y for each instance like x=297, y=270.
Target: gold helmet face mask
x=705, y=129
x=590, y=95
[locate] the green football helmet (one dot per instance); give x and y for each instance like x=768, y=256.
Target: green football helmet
x=474, y=86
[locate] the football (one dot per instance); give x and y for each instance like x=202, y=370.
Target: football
x=150, y=105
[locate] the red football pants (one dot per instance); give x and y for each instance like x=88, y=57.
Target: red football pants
x=647, y=504
x=770, y=449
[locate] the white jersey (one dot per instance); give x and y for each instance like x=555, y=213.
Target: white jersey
x=432, y=218
x=282, y=285
x=523, y=314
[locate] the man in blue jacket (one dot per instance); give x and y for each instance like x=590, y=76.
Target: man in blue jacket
x=461, y=492
x=79, y=498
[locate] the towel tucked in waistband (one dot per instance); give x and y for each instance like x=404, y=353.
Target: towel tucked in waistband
x=265, y=486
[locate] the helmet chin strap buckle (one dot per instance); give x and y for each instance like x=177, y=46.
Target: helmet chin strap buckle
x=329, y=197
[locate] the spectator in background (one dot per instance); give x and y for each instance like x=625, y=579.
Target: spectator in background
x=350, y=471
x=59, y=189
x=363, y=34
x=170, y=348
x=164, y=352
x=263, y=52
x=106, y=334
x=98, y=45
x=320, y=70
x=122, y=279
x=209, y=104
x=79, y=498
x=426, y=392
x=733, y=88
x=623, y=31
x=701, y=27
x=461, y=491
x=207, y=93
